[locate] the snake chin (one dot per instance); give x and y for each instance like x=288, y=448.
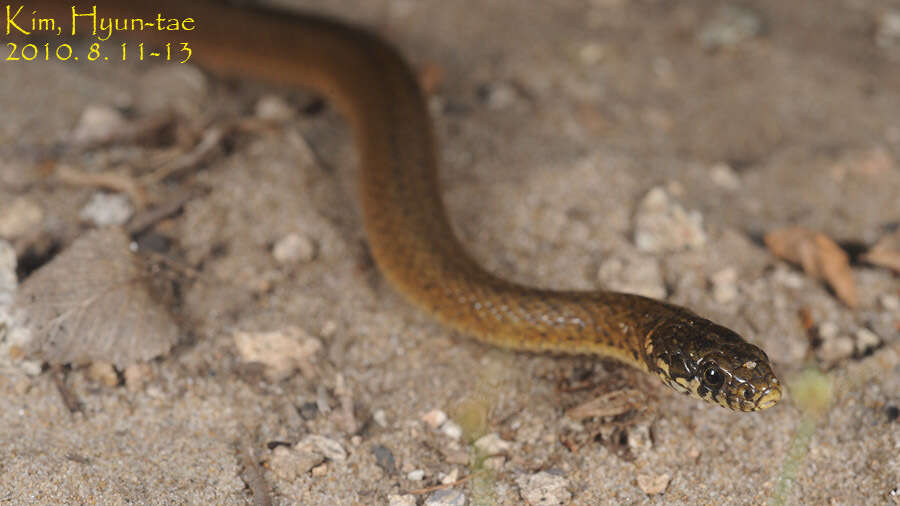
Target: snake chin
x=712, y=363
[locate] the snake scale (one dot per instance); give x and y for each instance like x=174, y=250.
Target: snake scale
x=406, y=224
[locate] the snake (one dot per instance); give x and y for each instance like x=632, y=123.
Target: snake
x=409, y=234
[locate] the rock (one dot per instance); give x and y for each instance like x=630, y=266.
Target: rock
x=105, y=209
x=731, y=25
x=452, y=429
x=887, y=32
x=544, y=489
x=281, y=352
x=662, y=225
x=327, y=447
x=288, y=463
x=415, y=475
x=434, y=418
x=103, y=372
x=20, y=217
x=380, y=418
x=294, y=248
x=446, y=497
x=724, y=176
x=639, y=274
x=491, y=444
x=724, y=285
x=384, y=458
x=274, y=108
x=98, y=124
x=401, y=500
x=653, y=485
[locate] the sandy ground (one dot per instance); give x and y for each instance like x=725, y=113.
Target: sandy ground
x=556, y=120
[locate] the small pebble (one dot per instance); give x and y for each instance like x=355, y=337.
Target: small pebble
x=446, y=497
x=20, y=217
x=730, y=26
x=653, y=485
x=434, y=418
x=452, y=429
x=416, y=475
x=290, y=463
x=8, y=279
x=491, y=444
x=498, y=95
x=639, y=437
x=835, y=349
x=281, y=352
x=639, y=274
x=887, y=34
x=136, y=376
x=866, y=340
x=294, y=248
x=103, y=372
x=662, y=225
x=98, y=124
x=380, y=418
x=327, y=447
x=724, y=285
x=401, y=500
x=544, y=489
x=450, y=477
x=724, y=176
x=106, y=209
x=890, y=302
x=320, y=470
x=384, y=458
x=274, y=108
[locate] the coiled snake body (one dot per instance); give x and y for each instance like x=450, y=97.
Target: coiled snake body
x=406, y=224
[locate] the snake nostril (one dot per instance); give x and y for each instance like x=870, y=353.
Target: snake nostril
x=748, y=394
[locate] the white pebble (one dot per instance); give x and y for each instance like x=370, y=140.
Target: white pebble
x=723, y=175
x=380, y=418
x=294, y=248
x=724, y=285
x=98, y=123
x=327, y=447
x=434, y=418
x=491, y=444
x=105, y=209
x=401, y=500
x=20, y=217
x=662, y=225
x=281, y=352
x=452, y=429
x=416, y=475
x=274, y=108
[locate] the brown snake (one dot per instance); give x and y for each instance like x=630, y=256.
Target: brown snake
x=406, y=224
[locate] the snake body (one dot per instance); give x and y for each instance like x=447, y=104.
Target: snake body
x=406, y=224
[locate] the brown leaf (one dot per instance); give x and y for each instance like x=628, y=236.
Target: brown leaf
x=886, y=252
x=819, y=256
x=93, y=302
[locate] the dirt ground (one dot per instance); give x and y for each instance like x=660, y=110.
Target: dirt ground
x=557, y=120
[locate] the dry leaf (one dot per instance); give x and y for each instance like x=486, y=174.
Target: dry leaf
x=94, y=302
x=886, y=252
x=819, y=256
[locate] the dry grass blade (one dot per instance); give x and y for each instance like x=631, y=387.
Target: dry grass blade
x=94, y=302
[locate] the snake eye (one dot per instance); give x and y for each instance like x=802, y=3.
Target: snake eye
x=748, y=393
x=714, y=377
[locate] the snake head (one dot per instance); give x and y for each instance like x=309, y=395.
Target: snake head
x=710, y=362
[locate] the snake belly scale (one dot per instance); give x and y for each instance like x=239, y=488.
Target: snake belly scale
x=406, y=224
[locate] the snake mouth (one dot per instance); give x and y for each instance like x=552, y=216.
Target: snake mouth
x=769, y=397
